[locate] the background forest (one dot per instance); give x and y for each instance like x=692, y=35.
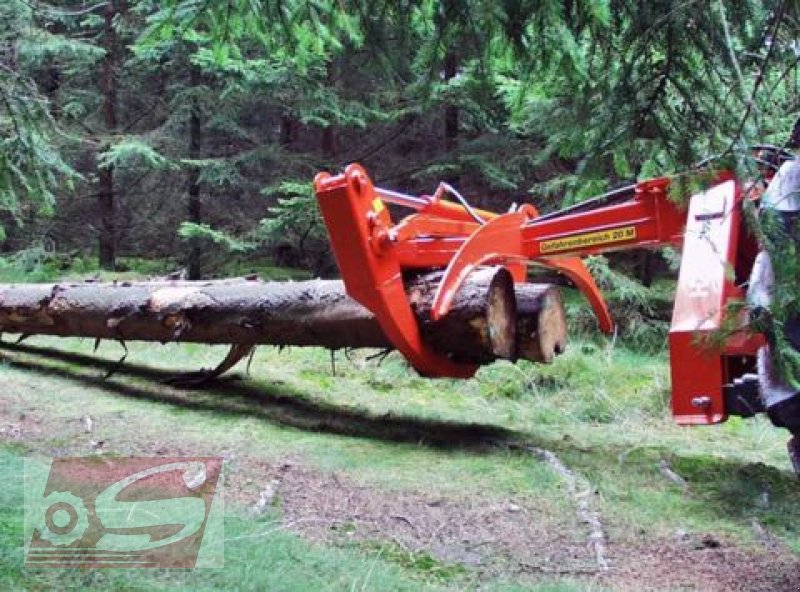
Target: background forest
x=190, y=130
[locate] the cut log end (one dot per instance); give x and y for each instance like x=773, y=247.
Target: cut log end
x=542, y=322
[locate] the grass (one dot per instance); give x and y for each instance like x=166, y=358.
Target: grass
x=249, y=546
x=416, y=561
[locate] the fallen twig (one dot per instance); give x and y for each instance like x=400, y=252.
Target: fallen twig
x=764, y=535
x=665, y=470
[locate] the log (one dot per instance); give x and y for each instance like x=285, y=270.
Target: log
x=541, y=322
x=484, y=310
x=484, y=324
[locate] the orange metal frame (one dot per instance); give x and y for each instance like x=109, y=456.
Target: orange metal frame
x=373, y=253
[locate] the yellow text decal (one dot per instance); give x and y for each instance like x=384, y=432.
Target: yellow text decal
x=589, y=239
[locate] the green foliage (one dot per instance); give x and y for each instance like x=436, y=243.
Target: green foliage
x=132, y=153
x=40, y=263
x=641, y=314
x=204, y=232
x=646, y=92
x=419, y=563
x=32, y=168
x=296, y=222
x=39, y=45
x=296, y=208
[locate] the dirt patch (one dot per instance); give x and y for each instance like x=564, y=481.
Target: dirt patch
x=502, y=538
x=17, y=425
x=667, y=565
x=484, y=534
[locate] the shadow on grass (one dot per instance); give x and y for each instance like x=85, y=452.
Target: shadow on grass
x=746, y=492
x=718, y=487
x=271, y=402
x=724, y=486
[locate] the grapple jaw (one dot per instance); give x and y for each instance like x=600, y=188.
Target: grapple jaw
x=360, y=230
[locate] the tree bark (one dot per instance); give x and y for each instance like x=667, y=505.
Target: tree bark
x=105, y=175
x=193, y=176
x=450, y=109
x=486, y=321
x=105, y=204
x=452, y=14
x=328, y=142
x=286, y=130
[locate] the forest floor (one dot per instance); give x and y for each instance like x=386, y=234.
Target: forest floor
x=372, y=478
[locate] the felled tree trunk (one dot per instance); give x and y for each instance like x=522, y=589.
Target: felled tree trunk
x=485, y=323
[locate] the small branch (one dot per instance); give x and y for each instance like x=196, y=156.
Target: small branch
x=729, y=42
x=671, y=475
x=761, y=75
x=52, y=10
x=764, y=535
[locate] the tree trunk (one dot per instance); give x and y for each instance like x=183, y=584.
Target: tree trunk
x=52, y=79
x=329, y=141
x=329, y=132
x=647, y=260
x=105, y=204
x=105, y=175
x=485, y=323
x=450, y=109
x=286, y=130
x=193, y=176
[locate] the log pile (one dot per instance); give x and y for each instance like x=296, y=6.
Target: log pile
x=491, y=318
